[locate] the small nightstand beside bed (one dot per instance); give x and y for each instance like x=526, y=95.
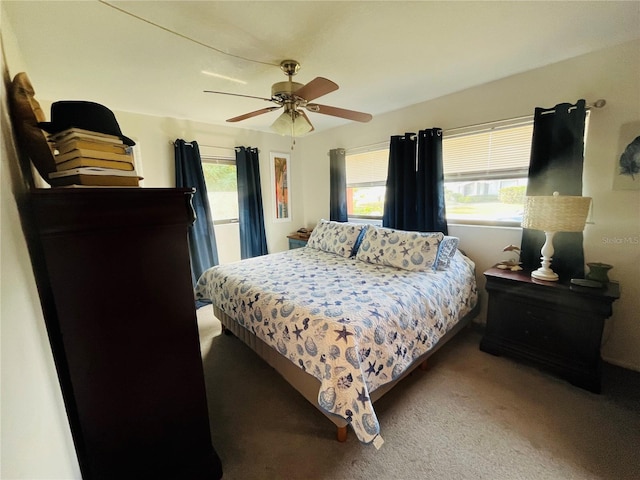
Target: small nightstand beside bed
x=348, y=316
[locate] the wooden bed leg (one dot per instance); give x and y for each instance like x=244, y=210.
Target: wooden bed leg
x=342, y=434
x=424, y=365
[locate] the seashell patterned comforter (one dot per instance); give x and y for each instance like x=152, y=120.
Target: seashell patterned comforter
x=351, y=324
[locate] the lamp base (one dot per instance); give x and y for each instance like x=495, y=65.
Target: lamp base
x=545, y=274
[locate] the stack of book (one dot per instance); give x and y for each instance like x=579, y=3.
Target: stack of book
x=91, y=158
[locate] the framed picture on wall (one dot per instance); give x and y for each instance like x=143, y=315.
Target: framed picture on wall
x=280, y=186
x=628, y=163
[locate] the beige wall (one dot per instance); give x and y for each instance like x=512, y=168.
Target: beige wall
x=36, y=442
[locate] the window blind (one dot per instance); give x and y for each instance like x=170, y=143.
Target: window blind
x=497, y=152
x=367, y=169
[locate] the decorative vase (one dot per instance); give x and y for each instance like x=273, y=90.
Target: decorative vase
x=598, y=272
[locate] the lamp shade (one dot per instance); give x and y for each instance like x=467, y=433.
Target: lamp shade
x=556, y=213
x=290, y=122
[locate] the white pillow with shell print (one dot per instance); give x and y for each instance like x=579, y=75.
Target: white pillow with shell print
x=335, y=237
x=414, y=251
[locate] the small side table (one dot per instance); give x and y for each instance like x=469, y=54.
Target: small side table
x=297, y=241
x=557, y=326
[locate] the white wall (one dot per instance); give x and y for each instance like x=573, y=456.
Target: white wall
x=612, y=74
x=35, y=438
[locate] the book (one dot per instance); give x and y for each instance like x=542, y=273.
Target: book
x=94, y=176
x=70, y=133
x=79, y=162
x=93, y=171
x=95, y=181
x=80, y=143
x=83, y=152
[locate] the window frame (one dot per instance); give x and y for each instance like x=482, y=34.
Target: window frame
x=374, y=149
x=492, y=175
x=219, y=160
x=516, y=174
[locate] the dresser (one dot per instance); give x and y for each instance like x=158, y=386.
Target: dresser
x=556, y=326
x=113, y=275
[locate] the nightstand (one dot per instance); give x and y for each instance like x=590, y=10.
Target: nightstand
x=297, y=241
x=554, y=325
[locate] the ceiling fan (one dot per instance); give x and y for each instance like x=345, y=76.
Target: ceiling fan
x=294, y=97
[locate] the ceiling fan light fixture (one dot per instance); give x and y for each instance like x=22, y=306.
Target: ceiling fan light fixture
x=290, y=122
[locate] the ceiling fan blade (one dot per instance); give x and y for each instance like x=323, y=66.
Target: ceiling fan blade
x=238, y=95
x=307, y=118
x=253, y=114
x=317, y=87
x=339, y=112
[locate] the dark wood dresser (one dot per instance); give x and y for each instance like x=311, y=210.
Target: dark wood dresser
x=554, y=325
x=113, y=274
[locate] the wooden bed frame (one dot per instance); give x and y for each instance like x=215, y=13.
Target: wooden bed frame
x=307, y=384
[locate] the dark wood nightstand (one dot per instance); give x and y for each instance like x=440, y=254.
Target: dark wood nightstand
x=557, y=326
x=297, y=241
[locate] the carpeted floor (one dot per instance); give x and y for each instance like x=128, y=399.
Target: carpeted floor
x=469, y=416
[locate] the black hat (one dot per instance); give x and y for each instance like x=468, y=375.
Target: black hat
x=85, y=115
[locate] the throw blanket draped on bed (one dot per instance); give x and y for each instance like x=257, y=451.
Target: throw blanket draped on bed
x=353, y=325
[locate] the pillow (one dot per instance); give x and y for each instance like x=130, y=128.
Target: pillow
x=25, y=115
x=446, y=251
x=335, y=237
x=413, y=251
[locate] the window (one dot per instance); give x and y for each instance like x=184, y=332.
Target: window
x=485, y=172
x=222, y=189
x=366, y=180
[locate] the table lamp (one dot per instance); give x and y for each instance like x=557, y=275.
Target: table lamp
x=553, y=214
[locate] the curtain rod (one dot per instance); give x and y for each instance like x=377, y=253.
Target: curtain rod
x=203, y=145
x=600, y=103
x=371, y=146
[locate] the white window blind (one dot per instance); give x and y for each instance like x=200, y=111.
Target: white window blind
x=496, y=152
x=367, y=169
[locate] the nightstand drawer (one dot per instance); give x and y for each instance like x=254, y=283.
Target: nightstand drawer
x=536, y=328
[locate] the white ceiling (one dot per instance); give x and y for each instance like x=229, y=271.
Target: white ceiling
x=383, y=55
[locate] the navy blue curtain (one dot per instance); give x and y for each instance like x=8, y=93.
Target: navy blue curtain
x=557, y=156
x=399, y=200
x=253, y=240
x=202, y=239
x=338, y=185
x=414, y=198
x=430, y=208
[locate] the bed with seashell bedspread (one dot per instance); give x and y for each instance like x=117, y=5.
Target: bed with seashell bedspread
x=346, y=317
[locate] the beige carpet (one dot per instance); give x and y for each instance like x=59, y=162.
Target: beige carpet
x=470, y=416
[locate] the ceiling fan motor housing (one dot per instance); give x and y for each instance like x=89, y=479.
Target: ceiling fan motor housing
x=284, y=90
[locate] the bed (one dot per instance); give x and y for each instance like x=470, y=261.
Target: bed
x=349, y=315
